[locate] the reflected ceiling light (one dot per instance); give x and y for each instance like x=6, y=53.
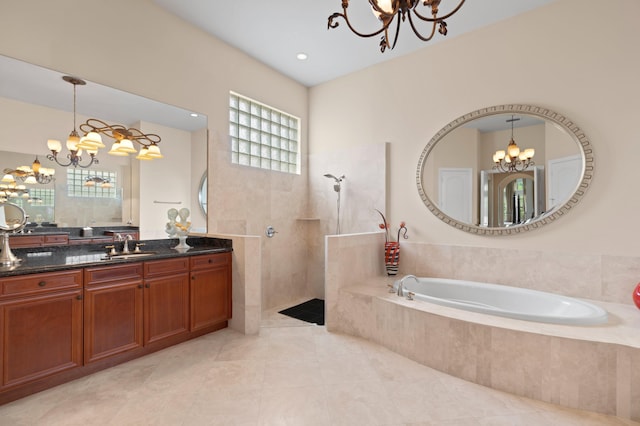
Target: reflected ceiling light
x=302, y=56
x=513, y=160
x=388, y=10
x=124, y=137
x=97, y=181
x=91, y=142
x=30, y=175
x=12, y=190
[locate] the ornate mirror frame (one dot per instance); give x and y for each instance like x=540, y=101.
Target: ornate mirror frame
x=565, y=123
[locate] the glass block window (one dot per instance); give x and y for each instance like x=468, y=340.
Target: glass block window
x=42, y=196
x=262, y=136
x=76, y=187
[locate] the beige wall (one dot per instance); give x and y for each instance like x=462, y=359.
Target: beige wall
x=558, y=56
x=138, y=47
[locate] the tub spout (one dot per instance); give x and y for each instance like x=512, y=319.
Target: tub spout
x=401, y=284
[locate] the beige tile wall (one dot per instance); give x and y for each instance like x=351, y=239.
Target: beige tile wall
x=598, y=277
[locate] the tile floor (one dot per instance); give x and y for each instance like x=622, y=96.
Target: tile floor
x=291, y=374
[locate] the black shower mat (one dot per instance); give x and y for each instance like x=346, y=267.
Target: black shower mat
x=310, y=311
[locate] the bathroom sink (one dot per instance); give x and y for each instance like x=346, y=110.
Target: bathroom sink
x=128, y=255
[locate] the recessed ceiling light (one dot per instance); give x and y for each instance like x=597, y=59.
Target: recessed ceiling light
x=193, y=114
x=302, y=56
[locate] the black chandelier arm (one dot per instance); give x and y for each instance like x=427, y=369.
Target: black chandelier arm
x=94, y=160
x=54, y=158
x=384, y=42
x=74, y=160
x=438, y=18
x=516, y=165
x=417, y=33
x=332, y=24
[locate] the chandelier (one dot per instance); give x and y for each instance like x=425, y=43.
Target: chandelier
x=513, y=160
x=12, y=190
x=91, y=142
x=30, y=175
x=388, y=10
x=124, y=139
x=97, y=181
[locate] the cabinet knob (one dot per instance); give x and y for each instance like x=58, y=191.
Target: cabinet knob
x=210, y=260
x=42, y=283
x=147, y=285
x=139, y=285
x=79, y=297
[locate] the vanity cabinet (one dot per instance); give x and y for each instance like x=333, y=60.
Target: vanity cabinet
x=166, y=299
x=58, y=326
x=29, y=241
x=113, y=310
x=133, y=305
x=210, y=290
x=40, y=326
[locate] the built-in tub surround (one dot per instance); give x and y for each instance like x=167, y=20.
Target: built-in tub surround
x=502, y=300
x=589, y=276
x=589, y=367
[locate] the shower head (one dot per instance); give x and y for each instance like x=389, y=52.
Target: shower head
x=330, y=176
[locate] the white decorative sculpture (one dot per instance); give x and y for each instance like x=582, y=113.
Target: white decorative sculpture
x=178, y=226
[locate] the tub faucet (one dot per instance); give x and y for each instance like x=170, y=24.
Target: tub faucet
x=401, y=284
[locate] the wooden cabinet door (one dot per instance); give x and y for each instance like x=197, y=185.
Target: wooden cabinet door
x=210, y=296
x=41, y=335
x=166, y=307
x=112, y=319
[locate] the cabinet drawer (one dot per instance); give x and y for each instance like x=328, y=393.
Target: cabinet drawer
x=79, y=241
x=166, y=267
x=38, y=283
x=206, y=261
x=50, y=240
x=103, y=274
x=26, y=241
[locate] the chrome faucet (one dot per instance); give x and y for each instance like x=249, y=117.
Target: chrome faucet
x=126, y=239
x=401, y=284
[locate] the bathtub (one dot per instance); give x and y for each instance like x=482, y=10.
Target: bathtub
x=504, y=301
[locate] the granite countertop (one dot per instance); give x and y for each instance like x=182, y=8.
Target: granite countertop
x=59, y=258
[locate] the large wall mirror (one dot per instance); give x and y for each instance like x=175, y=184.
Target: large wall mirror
x=36, y=104
x=459, y=181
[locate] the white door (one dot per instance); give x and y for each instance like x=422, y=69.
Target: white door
x=564, y=175
x=455, y=195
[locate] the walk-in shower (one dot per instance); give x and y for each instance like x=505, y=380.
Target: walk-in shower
x=336, y=187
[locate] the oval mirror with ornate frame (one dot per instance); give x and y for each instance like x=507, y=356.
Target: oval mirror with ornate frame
x=459, y=181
